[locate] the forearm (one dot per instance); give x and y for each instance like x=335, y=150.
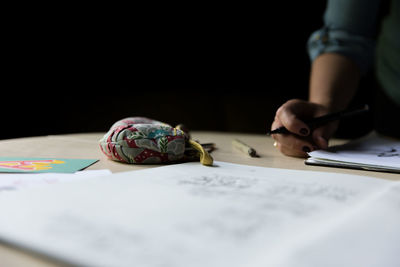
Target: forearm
x=334, y=81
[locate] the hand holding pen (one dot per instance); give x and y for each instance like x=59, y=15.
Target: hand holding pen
x=300, y=126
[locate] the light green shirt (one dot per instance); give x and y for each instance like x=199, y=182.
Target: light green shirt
x=388, y=53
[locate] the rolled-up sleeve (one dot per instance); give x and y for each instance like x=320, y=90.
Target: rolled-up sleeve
x=349, y=29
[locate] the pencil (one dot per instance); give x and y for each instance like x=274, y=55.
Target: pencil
x=244, y=148
x=322, y=120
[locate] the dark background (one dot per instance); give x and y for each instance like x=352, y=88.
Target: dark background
x=223, y=68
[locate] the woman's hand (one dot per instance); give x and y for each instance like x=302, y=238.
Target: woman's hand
x=302, y=139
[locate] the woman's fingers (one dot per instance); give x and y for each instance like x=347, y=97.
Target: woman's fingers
x=320, y=140
x=321, y=135
x=292, y=145
x=302, y=139
x=289, y=144
x=290, y=121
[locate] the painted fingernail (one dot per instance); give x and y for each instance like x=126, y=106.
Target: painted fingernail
x=303, y=131
x=306, y=149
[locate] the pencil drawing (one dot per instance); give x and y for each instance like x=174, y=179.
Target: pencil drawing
x=392, y=152
x=186, y=215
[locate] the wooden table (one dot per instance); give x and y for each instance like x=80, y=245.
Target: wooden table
x=86, y=146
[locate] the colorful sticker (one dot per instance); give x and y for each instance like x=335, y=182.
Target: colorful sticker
x=43, y=164
x=30, y=165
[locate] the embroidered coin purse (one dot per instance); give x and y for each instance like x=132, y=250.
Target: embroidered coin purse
x=142, y=140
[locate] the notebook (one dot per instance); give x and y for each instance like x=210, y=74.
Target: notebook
x=372, y=152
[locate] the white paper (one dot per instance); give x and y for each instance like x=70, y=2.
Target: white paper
x=192, y=215
x=369, y=236
x=372, y=151
x=16, y=181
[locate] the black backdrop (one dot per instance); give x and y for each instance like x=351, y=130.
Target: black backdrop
x=211, y=68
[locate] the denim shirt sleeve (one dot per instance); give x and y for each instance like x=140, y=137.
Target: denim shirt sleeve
x=349, y=29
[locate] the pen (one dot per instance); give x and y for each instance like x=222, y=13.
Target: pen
x=244, y=148
x=319, y=121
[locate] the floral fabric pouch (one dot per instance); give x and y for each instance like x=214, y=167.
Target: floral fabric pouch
x=142, y=140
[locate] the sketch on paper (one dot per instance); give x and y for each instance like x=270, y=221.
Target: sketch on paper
x=189, y=215
x=381, y=151
x=392, y=152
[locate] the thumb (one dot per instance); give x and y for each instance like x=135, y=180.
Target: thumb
x=321, y=136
